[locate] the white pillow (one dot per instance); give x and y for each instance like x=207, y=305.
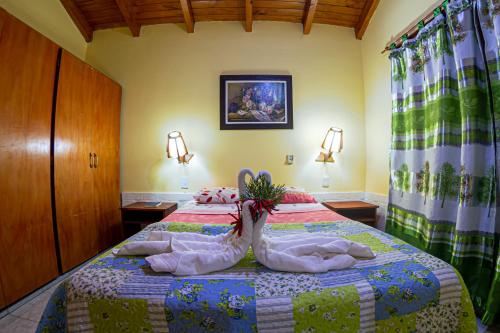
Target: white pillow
x=217, y=195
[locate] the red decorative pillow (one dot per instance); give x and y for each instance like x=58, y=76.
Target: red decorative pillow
x=217, y=195
x=293, y=196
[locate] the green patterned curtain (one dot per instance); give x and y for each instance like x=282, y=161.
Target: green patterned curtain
x=488, y=13
x=444, y=156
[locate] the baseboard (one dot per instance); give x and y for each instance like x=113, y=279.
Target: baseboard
x=182, y=197
x=338, y=196
x=179, y=197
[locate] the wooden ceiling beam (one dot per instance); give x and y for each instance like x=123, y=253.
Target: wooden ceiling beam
x=248, y=15
x=309, y=12
x=365, y=17
x=91, y=15
x=128, y=17
x=187, y=12
x=79, y=19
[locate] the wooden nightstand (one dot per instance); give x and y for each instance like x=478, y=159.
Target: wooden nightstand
x=138, y=215
x=355, y=210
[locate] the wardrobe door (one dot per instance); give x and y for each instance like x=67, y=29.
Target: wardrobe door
x=106, y=138
x=27, y=73
x=2, y=299
x=77, y=225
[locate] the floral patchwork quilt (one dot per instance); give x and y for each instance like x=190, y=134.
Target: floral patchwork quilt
x=402, y=290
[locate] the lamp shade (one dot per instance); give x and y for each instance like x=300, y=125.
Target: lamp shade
x=334, y=140
x=333, y=143
x=176, y=148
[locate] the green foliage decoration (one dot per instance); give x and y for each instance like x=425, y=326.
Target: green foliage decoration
x=260, y=189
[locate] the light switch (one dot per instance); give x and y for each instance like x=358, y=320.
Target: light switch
x=289, y=159
x=325, y=181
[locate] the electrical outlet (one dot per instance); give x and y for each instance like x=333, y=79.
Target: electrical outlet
x=184, y=182
x=289, y=159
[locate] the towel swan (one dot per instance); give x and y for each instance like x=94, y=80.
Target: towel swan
x=300, y=252
x=188, y=253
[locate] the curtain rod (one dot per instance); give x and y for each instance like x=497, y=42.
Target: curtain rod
x=413, y=28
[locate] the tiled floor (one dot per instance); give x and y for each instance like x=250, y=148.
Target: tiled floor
x=25, y=318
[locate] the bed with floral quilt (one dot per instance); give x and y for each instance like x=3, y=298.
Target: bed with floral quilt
x=401, y=290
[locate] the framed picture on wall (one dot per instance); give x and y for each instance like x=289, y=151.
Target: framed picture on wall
x=256, y=102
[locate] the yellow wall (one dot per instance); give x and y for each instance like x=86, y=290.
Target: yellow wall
x=170, y=82
x=390, y=17
x=50, y=19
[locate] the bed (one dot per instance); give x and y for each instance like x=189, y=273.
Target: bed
x=402, y=290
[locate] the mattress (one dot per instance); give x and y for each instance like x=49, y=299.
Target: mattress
x=401, y=290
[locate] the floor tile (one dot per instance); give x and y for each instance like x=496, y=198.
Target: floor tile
x=33, y=309
x=6, y=321
x=13, y=324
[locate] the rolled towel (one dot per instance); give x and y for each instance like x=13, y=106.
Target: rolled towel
x=165, y=262
x=336, y=247
x=302, y=239
x=187, y=245
x=144, y=248
x=160, y=236
x=361, y=251
x=315, y=263
x=191, y=262
x=188, y=236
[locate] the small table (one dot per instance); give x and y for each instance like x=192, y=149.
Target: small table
x=360, y=211
x=138, y=215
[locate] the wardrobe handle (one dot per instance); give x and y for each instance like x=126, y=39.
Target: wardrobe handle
x=91, y=161
x=96, y=160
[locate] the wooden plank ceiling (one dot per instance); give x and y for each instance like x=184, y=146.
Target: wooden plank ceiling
x=91, y=15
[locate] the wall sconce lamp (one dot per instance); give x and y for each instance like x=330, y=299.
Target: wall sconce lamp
x=176, y=148
x=333, y=143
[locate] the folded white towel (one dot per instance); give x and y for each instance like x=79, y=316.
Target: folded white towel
x=143, y=248
x=310, y=257
x=189, y=236
x=282, y=261
x=193, y=262
x=187, y=253
x=301, y=252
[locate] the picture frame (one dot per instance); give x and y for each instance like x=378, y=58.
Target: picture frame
x=256, y=102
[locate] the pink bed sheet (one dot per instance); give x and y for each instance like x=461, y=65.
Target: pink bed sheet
x=277, y=218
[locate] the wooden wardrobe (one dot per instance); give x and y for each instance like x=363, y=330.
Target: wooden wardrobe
x=86, y=149
x=59, y=160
